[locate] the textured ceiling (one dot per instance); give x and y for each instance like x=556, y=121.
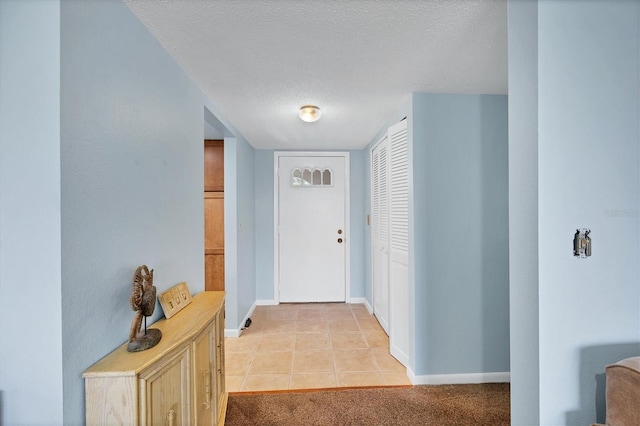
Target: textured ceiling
x=260, y=60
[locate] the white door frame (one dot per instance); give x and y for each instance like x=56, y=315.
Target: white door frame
x=347, y=212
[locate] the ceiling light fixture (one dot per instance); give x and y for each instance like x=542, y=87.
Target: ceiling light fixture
x=309, y=113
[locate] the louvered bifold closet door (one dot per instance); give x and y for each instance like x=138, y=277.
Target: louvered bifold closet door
x=399, y=237
x=380, y=232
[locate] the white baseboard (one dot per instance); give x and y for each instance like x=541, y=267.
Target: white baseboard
x=236, y=332
x=368, y=306
x=363, y=301
x=266, y=302
x=402, y=357
x=458, y=379
x=231, y=332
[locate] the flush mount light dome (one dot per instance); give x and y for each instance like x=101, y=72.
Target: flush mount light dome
x=309, y=113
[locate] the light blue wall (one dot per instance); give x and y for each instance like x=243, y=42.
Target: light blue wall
x=132, y=172
x=588, y=121
x=246, y=228
x=231, y=232
x=239, y=210
x=239, y=230
x=264, y=172
x=264, y=223
x=460, y=232
x=31, y=374
x=458, y=285
x=357, y=196
x=523, y=211
x=588, y=145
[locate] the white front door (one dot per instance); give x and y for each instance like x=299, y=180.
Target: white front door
x=311, y=228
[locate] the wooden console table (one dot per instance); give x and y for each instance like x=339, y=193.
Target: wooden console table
x=178, y=382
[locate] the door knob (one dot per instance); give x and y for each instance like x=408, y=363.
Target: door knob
x=340, y=240
x=339, y=231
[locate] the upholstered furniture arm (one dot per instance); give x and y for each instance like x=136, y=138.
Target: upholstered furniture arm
x=623, y=392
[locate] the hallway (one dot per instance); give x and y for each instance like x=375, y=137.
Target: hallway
x=317, y=345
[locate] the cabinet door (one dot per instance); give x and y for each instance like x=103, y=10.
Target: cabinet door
x=204, y=375
x=214, y=272
x=213, y=165
x=219, y=342
x=213, y=221
x=165, y=392
x=214, y=241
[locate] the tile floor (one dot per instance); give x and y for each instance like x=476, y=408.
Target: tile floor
x=304, y=346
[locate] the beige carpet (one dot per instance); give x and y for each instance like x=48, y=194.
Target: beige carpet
x=478, y=404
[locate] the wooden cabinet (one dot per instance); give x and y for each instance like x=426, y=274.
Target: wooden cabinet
x=178, y=382
x=165, y=393
x=214, y=221
x=208, y=364
x=214, y=215
x=213, y=165
x=203, y=363
x=214, y=240
x=221, y=389
x=214, y=271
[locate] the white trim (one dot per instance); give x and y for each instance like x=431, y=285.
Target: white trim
x=236, y=332
x=371, y=257
x=347, y=221
x=397, y=354
x=362, y=300
x=266, y=302
x=246, y=317
x=231, y=332
x=347, y=216
x=458, y=379
x=276, y=231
